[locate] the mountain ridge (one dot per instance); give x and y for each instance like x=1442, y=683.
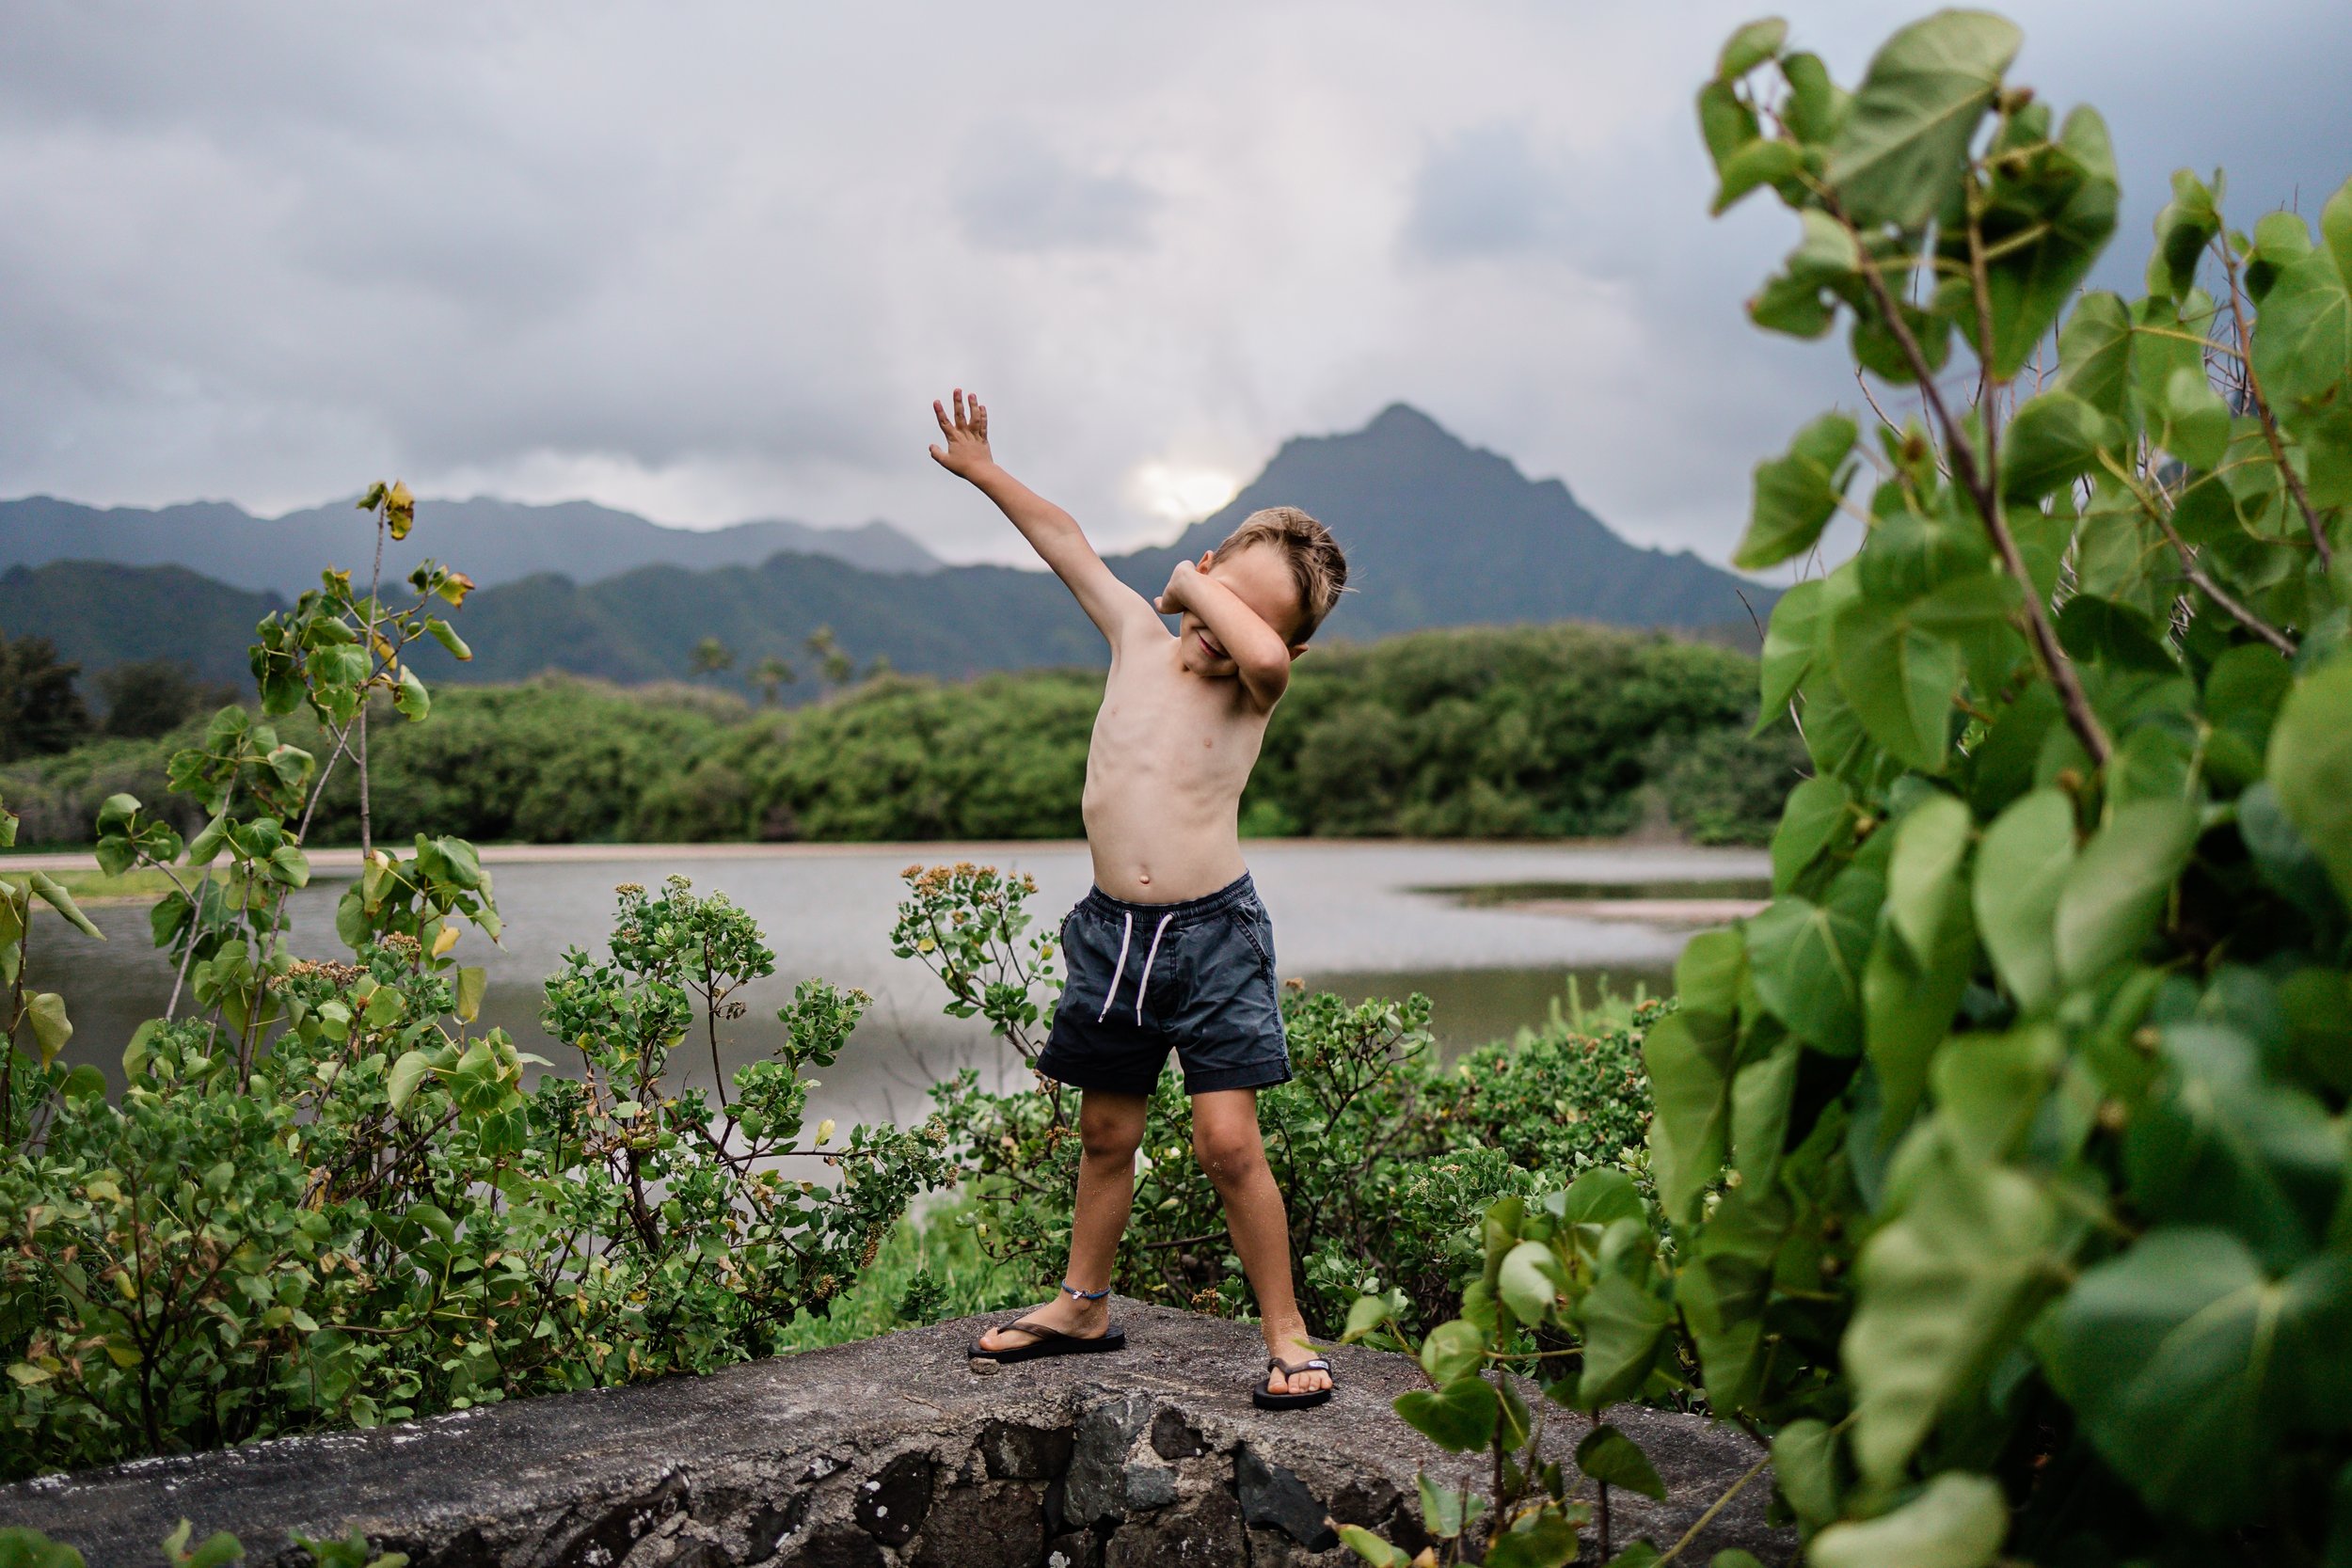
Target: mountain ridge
x=504, y=540
x=1439, y=533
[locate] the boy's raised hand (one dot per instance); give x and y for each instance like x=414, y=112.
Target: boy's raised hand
x=967, y=435
x=1171, y=599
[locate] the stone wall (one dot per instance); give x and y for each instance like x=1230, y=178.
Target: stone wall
x=891, y=1452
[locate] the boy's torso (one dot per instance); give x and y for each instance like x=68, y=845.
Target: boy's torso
x=1171, y=754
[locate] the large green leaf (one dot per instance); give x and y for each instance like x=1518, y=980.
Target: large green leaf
x=1459, y=1417
x=2052, y=210
x=1942, y=1293
x=1762, y=1093
x=1690, y=1087
x=1820, y=812
x=2225, y=1144
x=1900, y=679
x=1624, y=1325
x=1612, y=1458
x=2185, y=226
x=1796, y=494
x=1909, y=1000
x=1807, y=957
x=2311, y=765
x=1930, y=846
x=1804, y=1464
x=2335, y=229
x=2303, y=341
x=1723, y=1293
x=2052, y=440
x=2022, y=868
x=1958, y=1521
x=1529, y=1282
x=1750, y=47
x=1789, y=639
x=1900, y=664
x=2115, y=892
x=1795, y=301
x=45, y=1011
x=1903, y=148
x=2186, y=1363
x=2095, y=354
x=50, y=891
x=1989, y=1088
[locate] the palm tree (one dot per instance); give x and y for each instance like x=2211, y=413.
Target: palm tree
x=771, y=674
x=711, y=657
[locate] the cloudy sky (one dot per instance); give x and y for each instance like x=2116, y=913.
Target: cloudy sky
x=711, y=260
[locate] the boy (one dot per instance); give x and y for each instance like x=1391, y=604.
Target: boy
x=1171, y=948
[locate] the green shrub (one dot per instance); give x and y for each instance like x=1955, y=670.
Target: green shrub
x=323, y=1199
x=1381, y=1154
x=1999, y=1163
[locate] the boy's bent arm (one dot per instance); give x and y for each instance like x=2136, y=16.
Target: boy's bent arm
x=1261, y=659
x=1114, y=608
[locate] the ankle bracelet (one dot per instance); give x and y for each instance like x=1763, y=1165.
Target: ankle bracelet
x=1086, y=1295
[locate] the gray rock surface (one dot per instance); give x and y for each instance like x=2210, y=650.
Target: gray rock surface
x=873, y=1455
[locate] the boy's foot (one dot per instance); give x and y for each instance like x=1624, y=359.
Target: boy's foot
x=1064, y=1316
x=1293, y=1349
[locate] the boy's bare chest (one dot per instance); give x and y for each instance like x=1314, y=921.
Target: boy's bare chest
x=1164, y=723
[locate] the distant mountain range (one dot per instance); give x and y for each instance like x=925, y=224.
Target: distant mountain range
x=499, y=541
x=1437, y=534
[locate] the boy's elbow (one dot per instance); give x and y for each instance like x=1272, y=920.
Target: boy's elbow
x=1267, y=678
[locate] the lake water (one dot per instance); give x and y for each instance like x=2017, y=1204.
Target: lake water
x=1362, y=918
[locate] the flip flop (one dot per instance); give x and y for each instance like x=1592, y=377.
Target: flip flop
x=1265, y=1400
x=1048, y=1341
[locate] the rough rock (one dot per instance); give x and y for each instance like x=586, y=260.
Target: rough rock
x=875, y=1456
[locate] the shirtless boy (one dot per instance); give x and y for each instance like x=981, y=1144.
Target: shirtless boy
x=1172, y=949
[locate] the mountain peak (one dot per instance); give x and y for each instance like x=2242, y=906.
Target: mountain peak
x=1402, y=419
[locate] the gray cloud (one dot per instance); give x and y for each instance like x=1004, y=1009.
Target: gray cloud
x=714, y=261
x=1482, y=192
x=1017, y=194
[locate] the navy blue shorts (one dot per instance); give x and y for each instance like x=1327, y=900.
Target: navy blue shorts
x=1195, y=977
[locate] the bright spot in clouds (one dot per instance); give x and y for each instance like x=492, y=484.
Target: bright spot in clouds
x=1178, y=492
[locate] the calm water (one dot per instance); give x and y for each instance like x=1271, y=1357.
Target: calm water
x=1361, y=918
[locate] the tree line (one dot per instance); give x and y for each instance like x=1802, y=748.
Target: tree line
x=1551, y=730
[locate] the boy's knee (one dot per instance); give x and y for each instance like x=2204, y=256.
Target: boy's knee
x=1109, y=1142
x=1228, y=1155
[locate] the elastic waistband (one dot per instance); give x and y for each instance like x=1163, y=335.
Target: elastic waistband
x=1190, y=909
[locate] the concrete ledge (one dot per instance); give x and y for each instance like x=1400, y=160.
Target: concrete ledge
x=891, y=1451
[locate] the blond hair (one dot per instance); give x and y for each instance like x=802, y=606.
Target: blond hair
x=1316, y=563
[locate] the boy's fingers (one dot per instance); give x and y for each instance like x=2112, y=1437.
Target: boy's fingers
x=962, y=416
x=945, y=428
x=939, y=455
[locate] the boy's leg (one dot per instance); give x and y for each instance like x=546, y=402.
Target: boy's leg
x=1225, y=1138
x=1110, y=1127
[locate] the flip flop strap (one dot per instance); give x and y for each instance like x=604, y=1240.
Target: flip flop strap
x=1313, y=1364
x=1038, y=1331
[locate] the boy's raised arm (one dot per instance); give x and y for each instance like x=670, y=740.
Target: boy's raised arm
x=1114, y=608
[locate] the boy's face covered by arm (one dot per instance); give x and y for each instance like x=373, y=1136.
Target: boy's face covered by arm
x=1237, y=611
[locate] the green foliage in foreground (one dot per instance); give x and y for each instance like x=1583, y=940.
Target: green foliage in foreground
x=2000, y=1163
x=1501, y=731
x=380, y=1218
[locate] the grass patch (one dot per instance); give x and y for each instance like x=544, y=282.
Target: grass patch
x=929, y=1270
x=142, y=886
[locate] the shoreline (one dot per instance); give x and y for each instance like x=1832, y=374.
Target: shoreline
x=346, y=857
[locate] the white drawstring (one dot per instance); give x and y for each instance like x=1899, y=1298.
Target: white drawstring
x=1149, y=960
x=1119, y=974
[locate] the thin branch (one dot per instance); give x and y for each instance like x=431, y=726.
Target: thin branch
x=1983, y=489
x=1717, y=1507
x=2269, y=420
x=2196, y=574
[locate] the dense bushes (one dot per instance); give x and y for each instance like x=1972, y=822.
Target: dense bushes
x=1486, y=731
x=2000, y=1172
